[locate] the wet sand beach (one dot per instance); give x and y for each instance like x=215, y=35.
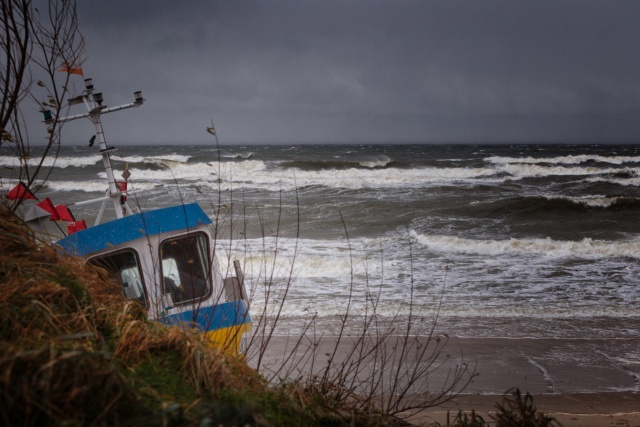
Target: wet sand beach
x=551, y=366
x=580, y=382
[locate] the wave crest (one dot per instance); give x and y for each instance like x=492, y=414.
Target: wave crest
x=566, y=160
x=585, y=248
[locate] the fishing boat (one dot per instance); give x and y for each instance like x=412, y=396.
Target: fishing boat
x=165, y=259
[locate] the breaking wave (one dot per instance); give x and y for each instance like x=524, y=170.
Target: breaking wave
x=549, y=203
x=565, y=160
x=367, y=162
x=61, y=162
x=585, y=248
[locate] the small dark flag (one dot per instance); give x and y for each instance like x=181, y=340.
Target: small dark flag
x=126, y=174
x=212, y=131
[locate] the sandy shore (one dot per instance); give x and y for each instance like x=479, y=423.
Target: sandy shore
x=572, y=410
x=580, y=382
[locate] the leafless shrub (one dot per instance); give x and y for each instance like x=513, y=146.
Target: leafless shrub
x=35, y=43
x=392, y=366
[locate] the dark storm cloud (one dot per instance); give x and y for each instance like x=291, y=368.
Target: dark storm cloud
x=368, y=71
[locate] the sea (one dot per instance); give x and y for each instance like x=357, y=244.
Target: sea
x=481, y=240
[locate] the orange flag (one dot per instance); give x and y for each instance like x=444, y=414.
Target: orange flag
x=71, y=69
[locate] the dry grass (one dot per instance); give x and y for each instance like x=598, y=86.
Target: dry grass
x=51, y=385
x=72, y=344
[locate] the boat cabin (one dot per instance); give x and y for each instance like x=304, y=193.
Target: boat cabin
x=166, y=260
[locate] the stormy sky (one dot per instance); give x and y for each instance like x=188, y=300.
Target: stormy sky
x=365, y=71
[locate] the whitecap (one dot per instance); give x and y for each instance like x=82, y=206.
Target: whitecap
x=61, y=162
x=585, y=248
x=593, y=201
x=567, y=160
x=376, y=161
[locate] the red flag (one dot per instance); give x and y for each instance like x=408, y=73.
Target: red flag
x=20, y=191
x=76, y=226
x=71, y=69
x=64, y=213
x=47, y=205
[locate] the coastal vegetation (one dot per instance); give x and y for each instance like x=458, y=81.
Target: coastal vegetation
x=515, y=410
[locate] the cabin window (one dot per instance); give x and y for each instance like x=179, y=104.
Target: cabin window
x=125, y=267
x=186, y=269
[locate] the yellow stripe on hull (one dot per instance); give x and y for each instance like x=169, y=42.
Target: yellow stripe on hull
x=229, y=340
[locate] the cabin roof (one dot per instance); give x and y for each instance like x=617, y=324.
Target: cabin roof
x=119, y=231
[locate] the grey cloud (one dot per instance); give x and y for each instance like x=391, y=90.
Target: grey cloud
x=378, y=71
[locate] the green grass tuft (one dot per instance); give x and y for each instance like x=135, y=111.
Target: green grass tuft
x=160, y=379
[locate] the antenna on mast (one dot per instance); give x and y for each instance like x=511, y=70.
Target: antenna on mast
x=93, y=103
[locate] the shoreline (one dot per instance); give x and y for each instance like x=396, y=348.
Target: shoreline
x=551, y=365
x=536, y=365
x=578, y=381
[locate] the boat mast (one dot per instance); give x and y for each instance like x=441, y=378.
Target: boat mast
x=93, y=103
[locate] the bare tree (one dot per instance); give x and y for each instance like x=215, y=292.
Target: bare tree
x=38, y=39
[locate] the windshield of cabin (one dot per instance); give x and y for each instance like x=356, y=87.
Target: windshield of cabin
x=125, y=268
x=186, y=269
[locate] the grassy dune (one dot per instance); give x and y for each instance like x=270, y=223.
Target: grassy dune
x=74, y=351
